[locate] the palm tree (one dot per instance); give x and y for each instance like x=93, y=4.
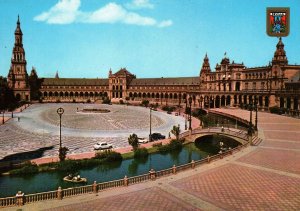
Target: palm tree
x=176, y=131
x=133, y=141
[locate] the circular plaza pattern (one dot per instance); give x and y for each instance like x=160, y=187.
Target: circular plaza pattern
x=118, y=118
x=37, y=127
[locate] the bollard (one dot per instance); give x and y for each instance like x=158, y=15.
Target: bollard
x=152, y=174
x=20, y=198
x=193, y=164
x=174, y=169
x=95, y=187
x=59, y=193
x=125, y=181
x=208, y=158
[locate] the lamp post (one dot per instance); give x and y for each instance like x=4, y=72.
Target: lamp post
x=185, y=123
x=150, y=138
x=250, y=126
x=256, y=109
x=3, y=116
x=190, y=102
x=60, y=112
x=201, y=100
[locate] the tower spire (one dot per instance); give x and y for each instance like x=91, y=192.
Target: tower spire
x=18, y=77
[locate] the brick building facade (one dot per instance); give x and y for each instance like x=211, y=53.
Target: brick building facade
x=231, y=84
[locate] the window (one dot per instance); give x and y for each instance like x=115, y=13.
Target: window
x=262, y=85
x=254, y=85
x=246, y=86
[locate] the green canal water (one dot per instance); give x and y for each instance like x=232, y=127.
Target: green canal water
x=48, y=181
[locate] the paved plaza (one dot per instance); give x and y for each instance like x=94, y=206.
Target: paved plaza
x=37, y=127
x=264, y=177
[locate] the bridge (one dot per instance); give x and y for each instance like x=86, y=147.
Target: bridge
x=240, y=136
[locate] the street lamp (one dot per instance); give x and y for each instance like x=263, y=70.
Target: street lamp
x=190, y=102
x=201, y=100
x=185, y=123
x=150, y=138
x=60, y=112
x=250, y=126
x=256, y=109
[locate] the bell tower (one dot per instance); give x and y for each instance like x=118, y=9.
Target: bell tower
x=17, y=76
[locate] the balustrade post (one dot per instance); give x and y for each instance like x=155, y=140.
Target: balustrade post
x=208, y=158
x=59, y=193
x=221, y=155
x=125, y=181
x=193, y=164
x=250, y=140
x=152, y=174
x=174, y=169
x=20, y=198
x=95, y=187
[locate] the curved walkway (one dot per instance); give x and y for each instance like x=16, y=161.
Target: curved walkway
x=264, y=177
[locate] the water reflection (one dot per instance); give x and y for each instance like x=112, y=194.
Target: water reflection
x=47, y=181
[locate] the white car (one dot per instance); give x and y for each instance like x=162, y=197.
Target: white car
x=142, y=140
x=102, y=145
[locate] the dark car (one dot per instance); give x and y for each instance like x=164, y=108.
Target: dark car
x=157, y=136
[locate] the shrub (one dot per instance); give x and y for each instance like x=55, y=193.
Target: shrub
x=57, y=101
x=145, y=103
x=159, y=144
x=106, y=101
x=173, y=145
x=121, y=102
x=141, y=153
x=28, y=168
x=168, y=108
x=108, y=155
x=276, y=110
x=88, y=101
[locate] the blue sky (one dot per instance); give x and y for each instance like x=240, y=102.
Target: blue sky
x=151, y=38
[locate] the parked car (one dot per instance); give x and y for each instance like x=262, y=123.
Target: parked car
x=176, y=114
x=157, y=136
x=142, y=140
x=169, y=112
x=102, y=145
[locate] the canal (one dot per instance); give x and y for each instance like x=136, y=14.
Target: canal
x=48, y=181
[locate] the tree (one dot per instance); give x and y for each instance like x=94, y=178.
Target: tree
x=176, y=131
x=63, y=153
x=145, y=103
x=133, y=141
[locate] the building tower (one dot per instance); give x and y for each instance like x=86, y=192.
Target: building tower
x=17, y=76
x=280, y=55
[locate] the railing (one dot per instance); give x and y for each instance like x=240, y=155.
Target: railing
x=8, y=201
x=138, y=179
x=77, y=191
x=30, y=198
x=110, y=184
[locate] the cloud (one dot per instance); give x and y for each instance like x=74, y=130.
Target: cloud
x=140, y=4
x=67, y=12
x=64, y=12
x=165, y=23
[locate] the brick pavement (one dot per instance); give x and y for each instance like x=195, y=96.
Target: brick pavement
x=142, y=200
x=235, y=187
x=279, y=159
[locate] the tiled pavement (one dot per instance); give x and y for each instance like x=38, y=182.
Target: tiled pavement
x=147, y=199
x=264, y=177
x=235, y=187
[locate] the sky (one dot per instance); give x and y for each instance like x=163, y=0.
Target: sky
x=151, y=38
